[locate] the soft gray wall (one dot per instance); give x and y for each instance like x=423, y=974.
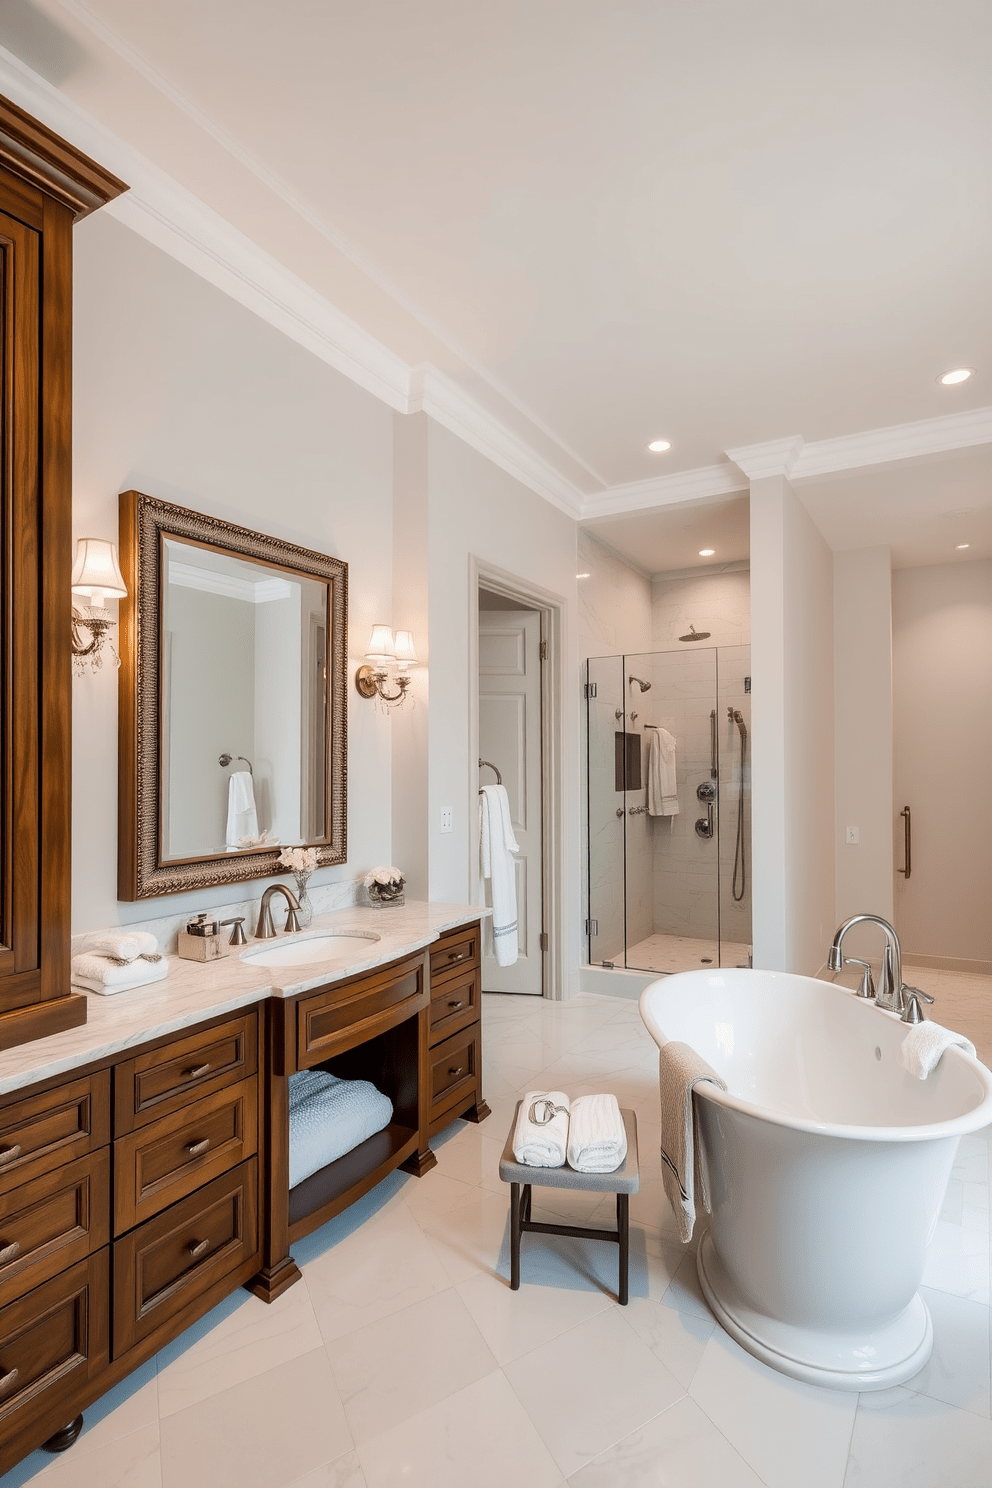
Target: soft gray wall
x=182, y=393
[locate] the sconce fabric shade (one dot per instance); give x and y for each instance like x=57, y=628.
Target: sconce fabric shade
x=96, y=572
x=381, y=646
x=406, y=653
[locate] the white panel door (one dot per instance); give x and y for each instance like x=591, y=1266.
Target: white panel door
x=510, y=736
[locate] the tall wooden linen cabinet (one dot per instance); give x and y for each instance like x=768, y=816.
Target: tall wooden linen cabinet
x=45, y=184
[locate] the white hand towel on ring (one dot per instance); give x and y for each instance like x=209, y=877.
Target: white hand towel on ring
x=540, y=1136
x=242, y=819
x=496, y=846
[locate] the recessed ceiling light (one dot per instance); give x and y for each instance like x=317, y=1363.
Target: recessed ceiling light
x=959, y=374
x=706, y=552
x=960, y=546
x=657, y=445
x=582, y=576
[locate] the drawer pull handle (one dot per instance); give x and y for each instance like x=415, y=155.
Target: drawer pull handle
x=197, y=1248
x=459, y=1071
x=456, y=955
x=9, y=1380
x=195, y=1148
x=196, y=1071
x=455, y=1004
x=9, y=1153
x=10, y=1252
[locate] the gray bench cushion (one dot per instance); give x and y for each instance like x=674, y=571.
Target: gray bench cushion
x=623, y=1180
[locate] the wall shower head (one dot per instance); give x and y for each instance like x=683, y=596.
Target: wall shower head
x=696, y=635
x=644, y=686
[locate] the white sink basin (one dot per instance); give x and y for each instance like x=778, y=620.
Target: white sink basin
x=306, y=950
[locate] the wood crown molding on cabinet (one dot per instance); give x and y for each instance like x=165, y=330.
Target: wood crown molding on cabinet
x=53, y=165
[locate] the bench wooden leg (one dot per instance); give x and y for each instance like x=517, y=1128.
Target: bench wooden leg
x=623, y=1227
x=515, y=1217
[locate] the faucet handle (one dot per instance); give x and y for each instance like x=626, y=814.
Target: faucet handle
x=238, y=936
x=292, y=923
x=913, y=1013
x=867, y=988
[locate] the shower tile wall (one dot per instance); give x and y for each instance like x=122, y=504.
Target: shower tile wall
x=717, y=602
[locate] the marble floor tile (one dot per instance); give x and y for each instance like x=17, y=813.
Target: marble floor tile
x=372, y=1273
x=677, y=1338
x=958, y=1368
x=791, y=1434
x=916, y=1442
x=681, y=1448
x=513, y=1323
x=407, y=1361
x=561, y=1386
x=252, y=1339
x=471, y=1237
x=480, y=1437
x=131, y=1461
x=264, y=1433
x=345, y=1472
x=958, y=1262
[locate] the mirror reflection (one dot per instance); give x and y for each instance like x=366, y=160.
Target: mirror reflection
x=244, y=719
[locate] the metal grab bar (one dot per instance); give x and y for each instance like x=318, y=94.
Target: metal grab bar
x=713, y=769
x=907, y=828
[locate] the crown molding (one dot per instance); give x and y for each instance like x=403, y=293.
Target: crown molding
x=934, y=436
x=666, y=490
x=775, y=457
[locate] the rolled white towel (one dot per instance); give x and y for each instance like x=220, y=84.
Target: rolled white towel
x=97, y=974
x=924, y=1045
x=127, y=946
x=597, y=1138
x=540, y=1136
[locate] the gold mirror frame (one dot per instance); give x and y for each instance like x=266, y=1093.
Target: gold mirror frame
x=144, y=520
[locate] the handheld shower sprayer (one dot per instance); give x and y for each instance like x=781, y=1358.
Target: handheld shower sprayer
x=735, y=716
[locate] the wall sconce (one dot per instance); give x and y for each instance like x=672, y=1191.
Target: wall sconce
x=95, y=574
x=385, y=651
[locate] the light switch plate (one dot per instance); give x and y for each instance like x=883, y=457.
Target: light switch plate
x=851, y=836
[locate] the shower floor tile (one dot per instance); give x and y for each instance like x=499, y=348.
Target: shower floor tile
x=681, y=953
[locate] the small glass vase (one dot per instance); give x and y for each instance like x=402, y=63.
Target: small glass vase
x=305, y=912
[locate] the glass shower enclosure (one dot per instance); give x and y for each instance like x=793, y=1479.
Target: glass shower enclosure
x=669, y=809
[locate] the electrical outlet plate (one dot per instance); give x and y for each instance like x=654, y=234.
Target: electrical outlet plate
x=447, y=819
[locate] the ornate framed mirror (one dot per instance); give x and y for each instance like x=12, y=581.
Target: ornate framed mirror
x=233, y=719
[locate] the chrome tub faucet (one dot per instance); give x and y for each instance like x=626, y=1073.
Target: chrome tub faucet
x=891, y=988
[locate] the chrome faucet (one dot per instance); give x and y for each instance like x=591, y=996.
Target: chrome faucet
x=891, y=988
x=265, y=929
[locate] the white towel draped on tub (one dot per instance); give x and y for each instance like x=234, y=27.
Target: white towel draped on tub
x=497, y=845
x=597, y=1137
x=540, y=1136
x=683, y=1172
x=242, y=820
x=329, y=1117
x=663, y=794
x=924, y=1045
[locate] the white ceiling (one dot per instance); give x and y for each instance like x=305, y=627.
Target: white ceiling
x=720, y=223
x=670, y=538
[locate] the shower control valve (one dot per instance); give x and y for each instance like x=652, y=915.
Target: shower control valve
x=706, y=790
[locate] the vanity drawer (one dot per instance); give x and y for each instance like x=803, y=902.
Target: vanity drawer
x=162, y=1081
x=53, y=1222
x=47, y=1130
x=454, y=951
x=166, y=1264
x=341, y=1017
x=158, y=1164
x=454, y=1003
x=454, y=1068
x=52, y=1342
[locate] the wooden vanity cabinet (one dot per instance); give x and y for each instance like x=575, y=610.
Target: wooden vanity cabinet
x=45, y=185
x=455, y=1042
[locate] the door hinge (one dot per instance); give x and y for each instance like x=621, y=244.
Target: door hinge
x=543, y=652
x=590, y=689
x=544, y=940
x=592, y=927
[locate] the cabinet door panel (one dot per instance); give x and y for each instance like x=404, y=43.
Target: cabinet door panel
x=53, y=1222
x=163, y=1080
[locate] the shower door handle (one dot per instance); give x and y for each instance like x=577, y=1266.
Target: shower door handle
x=907, y=828
x=713, y=767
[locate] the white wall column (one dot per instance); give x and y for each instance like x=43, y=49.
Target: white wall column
x=410, y=721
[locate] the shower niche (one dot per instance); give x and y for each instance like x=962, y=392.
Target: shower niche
x=668, y=757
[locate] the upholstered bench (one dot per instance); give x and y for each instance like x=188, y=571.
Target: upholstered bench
x=622, y=1181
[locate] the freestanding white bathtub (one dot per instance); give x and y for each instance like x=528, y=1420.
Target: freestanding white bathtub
x=827, y=1164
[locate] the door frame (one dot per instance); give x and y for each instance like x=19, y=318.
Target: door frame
x=550, y=607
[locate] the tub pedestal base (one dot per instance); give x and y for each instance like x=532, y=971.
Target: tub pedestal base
x=870, y=1358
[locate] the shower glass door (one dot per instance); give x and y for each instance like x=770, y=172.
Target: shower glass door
x=669, y=866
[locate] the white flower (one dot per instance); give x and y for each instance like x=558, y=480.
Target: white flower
x=387, y=876
x=299, y=859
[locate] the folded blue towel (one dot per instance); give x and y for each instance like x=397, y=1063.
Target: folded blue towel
x=328, y=1117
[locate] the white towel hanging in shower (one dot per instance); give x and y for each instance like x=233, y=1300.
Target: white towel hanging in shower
x=663, y=797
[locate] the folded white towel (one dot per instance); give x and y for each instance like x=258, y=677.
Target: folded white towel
x=242, y=820
x=329, y=1117
x=97, y=974
x=540, y=1136
x=496, y=846
x=924, y=1044
x=597, y=1138
x=127, y=946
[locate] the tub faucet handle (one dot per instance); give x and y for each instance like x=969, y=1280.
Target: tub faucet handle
x=913, y=1013
x=867, y=987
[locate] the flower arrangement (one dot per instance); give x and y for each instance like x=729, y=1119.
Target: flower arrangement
x=301, y=861
x=385, y=885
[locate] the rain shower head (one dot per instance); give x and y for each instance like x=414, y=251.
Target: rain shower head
x=696, y=635
x=644, y=686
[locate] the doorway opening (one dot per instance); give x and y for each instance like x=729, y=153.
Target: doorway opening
x=516, y=667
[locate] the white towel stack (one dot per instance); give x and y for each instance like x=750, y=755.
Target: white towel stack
x=116, y=963
x=540, y=1137
x=597, y=1139
x=924, y=1045
x=329, y=1117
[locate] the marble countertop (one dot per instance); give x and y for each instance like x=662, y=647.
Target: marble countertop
x=195, y=991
